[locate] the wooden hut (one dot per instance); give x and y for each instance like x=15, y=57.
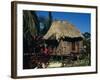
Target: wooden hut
x=68, y=37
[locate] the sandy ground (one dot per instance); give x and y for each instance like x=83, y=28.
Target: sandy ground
x=55, y=64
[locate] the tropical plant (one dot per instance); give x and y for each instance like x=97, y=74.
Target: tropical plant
x=86, y=41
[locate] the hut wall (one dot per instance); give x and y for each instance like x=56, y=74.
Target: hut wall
x=63, y=48
x=81, y=44
x=78, y=46
x=69, y=44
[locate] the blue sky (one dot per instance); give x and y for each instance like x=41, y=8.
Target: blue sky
x=80, y=20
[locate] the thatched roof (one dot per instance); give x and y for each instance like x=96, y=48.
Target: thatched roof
x=62, y=29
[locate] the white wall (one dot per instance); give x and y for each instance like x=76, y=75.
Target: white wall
x=5, y=40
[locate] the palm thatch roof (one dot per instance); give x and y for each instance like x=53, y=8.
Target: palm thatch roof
x=61, y=29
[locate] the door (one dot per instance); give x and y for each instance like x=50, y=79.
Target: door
x=73, y=46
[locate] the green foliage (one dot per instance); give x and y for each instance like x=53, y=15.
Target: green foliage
x=86, y=42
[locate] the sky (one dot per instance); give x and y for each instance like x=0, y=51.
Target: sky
x=80, y=20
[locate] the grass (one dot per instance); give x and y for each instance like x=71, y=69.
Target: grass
x=66, y=63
